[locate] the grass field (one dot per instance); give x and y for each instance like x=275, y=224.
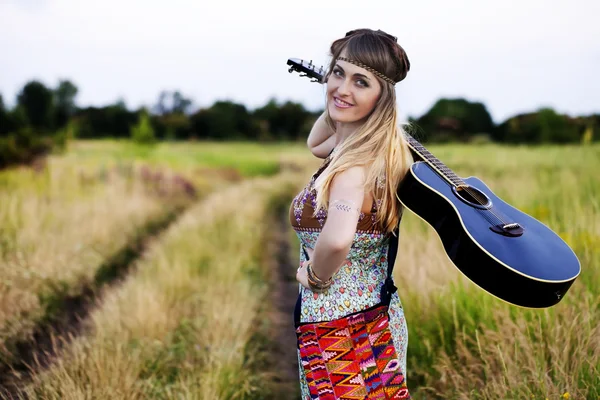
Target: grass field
x=185, y=321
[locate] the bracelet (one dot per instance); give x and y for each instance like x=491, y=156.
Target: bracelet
x=315, y=287
x=316, y=284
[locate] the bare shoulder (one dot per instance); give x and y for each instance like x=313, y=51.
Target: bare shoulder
x=353, y=177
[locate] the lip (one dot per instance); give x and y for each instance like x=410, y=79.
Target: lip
x=337, y=102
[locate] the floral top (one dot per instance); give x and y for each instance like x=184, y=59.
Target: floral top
x=357, y=284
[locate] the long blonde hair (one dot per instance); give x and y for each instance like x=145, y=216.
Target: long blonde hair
x=379, y=144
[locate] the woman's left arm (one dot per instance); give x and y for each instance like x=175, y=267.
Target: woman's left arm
x=346, y=196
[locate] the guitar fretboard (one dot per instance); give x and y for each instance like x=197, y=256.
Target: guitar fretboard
x=433, y=161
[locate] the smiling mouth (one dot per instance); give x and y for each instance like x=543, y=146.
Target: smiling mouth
x=341, y=103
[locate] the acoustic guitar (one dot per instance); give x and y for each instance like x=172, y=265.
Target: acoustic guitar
x=501, y=249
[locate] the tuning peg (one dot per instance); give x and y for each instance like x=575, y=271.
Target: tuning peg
x=303, y=75
x=291, y=70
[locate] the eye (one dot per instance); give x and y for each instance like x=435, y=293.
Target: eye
x=338, y=72
x=362, y=83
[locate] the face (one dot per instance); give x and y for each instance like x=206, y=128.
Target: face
x=352, y=92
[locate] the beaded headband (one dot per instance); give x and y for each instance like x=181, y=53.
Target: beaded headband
x=372, y=70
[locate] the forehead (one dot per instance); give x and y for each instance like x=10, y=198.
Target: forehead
x=352, y=69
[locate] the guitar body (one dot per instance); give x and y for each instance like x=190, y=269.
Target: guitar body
x=533, y=268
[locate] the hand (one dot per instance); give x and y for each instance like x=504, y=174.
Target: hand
x=302, y=275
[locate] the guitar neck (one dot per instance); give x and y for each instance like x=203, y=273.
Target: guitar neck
x=433, y=161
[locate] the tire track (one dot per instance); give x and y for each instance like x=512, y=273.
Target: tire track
x=283, y=299
x=66, y=315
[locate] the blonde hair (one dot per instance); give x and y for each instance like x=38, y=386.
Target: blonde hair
x=379, y=144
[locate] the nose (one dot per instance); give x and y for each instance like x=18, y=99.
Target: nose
x=344, y=88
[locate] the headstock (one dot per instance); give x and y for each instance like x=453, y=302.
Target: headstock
x=306, y=69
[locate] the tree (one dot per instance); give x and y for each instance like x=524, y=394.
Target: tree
x=171, y=121
x=109, y=121
x=4, y=122
x=172, y=103
x=292, y=118
x=161, y=107
x=450, y=119
x=180, y=103
x=143, y=133
x=224, y=120
x=38, y=103
x=543, y=126
x=172, y=126
x=286, y=121
x=64, y=100
x=268, y=117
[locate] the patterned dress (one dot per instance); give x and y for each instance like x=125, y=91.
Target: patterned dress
x=357, y=284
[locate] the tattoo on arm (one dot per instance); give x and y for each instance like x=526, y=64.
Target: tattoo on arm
x=344, y=205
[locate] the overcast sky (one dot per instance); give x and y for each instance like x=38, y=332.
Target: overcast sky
x=512, y=55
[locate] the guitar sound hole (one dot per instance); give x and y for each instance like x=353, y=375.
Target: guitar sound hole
x=472, y=196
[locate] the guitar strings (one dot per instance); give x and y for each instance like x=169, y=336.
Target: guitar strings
x=499, y=219
x=422, y=151
x=485, y=214
x=490, y=210
x=473, y=194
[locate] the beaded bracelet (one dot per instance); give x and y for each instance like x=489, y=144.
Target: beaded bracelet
x=315, y=283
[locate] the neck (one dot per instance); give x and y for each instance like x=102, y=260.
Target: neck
x=345, y=129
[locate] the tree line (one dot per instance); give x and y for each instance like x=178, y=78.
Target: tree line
x=44, y=118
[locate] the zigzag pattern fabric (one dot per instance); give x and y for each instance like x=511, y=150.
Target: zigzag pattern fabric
x=351, y=358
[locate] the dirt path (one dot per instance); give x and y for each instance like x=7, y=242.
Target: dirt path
x=66, y=319
x=283, y=298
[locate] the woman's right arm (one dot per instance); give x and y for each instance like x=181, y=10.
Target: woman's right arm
x=321, y=139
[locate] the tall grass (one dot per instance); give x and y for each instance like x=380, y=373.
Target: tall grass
x=181, y=326
x=62, y=221
x=58, y=226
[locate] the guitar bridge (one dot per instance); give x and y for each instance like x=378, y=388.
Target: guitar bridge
x=511, y=230
x=514, y=225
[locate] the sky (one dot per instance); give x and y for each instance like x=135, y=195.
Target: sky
x=514, y=56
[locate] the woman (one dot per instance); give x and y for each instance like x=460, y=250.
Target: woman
x=345, y=215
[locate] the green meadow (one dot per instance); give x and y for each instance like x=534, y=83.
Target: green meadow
x=194, y=225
